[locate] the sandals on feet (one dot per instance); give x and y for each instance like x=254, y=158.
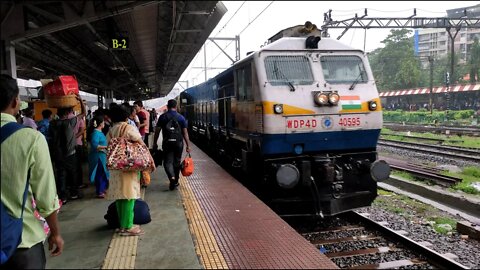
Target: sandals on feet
x=134, y=231
x=121, y=230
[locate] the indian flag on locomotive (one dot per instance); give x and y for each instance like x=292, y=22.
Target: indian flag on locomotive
x=351, y=102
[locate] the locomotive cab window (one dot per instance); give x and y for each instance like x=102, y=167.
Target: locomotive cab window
x=244, y=83
x=285, y=70
x=343, y=69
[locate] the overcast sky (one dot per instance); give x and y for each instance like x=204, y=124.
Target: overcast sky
x=278, y=15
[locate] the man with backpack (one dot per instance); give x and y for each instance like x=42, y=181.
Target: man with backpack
x=63, y=149
x=174, y=131
x=26, y=170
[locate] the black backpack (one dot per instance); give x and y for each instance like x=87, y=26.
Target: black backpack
x=173, y=131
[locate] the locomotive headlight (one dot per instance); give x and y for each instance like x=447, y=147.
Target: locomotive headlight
x=278, y=108
x=333, y=98
x=287, y=176
x=320, y=99
x=372, y=105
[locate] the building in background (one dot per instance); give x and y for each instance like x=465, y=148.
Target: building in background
x=436, y=41
x=466, y=36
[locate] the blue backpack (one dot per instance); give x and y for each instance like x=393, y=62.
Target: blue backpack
x=12, y=227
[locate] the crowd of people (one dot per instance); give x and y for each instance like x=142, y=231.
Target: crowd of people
x=45, y=160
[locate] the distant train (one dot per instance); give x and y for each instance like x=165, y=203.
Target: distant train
x=301, y=116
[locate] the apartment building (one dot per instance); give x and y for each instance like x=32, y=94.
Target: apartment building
x=436, y=41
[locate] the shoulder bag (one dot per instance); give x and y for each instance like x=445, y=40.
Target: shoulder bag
x=124, y=155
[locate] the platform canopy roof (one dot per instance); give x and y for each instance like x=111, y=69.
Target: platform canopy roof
x=53, y=38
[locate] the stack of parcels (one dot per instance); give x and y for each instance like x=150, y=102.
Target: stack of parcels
x=61, y=93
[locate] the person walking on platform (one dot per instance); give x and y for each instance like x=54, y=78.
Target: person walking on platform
x=144, y=117
x=97, y=158
x=152, y=123
x=26, y=170
x=63, y=144
x=124, y=186
x=174, y=130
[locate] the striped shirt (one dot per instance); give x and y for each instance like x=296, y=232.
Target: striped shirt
x=27, y=149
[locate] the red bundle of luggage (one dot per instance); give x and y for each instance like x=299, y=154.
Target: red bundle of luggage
x=61, y=93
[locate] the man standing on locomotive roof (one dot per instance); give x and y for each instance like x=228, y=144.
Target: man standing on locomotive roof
x=174, y=130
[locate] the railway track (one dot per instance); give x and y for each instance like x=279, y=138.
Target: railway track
x=447, y=151
x=354, y=241
x=449, y=130
x=439, y=141
x=424, y=172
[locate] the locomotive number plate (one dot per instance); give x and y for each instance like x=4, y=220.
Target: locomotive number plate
x=349, y=121
x=302, y=123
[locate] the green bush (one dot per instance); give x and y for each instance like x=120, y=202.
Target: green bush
x=423, y=116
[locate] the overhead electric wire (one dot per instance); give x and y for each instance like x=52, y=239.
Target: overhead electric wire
x=230, y=18
x=256, y=17
x=428, y=11
x=223, y=27
x=391, y=11
x=242, y=31
x=238, y=35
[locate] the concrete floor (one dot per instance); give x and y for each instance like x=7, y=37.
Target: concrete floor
x=167, y=242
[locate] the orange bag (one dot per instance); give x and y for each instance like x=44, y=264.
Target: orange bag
x=145, y=178
x=187, y=166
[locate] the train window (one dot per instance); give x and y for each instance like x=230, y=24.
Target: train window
x=282, y=70
x=244, y=83
x=241, y=84
x=343, y=69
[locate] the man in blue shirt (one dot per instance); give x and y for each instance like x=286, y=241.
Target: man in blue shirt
x=43, y=124
x=174, y=131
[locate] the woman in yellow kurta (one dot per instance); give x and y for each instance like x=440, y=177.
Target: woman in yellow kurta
x=124, y=187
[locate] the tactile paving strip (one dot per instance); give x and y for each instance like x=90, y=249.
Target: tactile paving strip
x=122, y=251
x=206, y=246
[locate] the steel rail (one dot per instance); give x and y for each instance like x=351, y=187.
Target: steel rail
x=415, y=147
x=432, y=256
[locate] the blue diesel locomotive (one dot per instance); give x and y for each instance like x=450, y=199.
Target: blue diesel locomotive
x=301, y=117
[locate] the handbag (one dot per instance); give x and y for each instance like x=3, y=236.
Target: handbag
x=124, y=155
x=187, y=166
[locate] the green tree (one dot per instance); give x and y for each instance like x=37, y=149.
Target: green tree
x=443, y=65
x=395, y=66
x=409, y=75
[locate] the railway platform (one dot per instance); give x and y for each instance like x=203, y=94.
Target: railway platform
x=212, y=221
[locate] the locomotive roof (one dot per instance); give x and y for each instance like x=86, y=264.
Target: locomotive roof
x=298, y=43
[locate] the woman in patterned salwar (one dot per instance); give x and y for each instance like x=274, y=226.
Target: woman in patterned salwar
x=124, y=186
x=97, y=158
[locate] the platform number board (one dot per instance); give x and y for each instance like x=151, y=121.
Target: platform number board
x=120, y=43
